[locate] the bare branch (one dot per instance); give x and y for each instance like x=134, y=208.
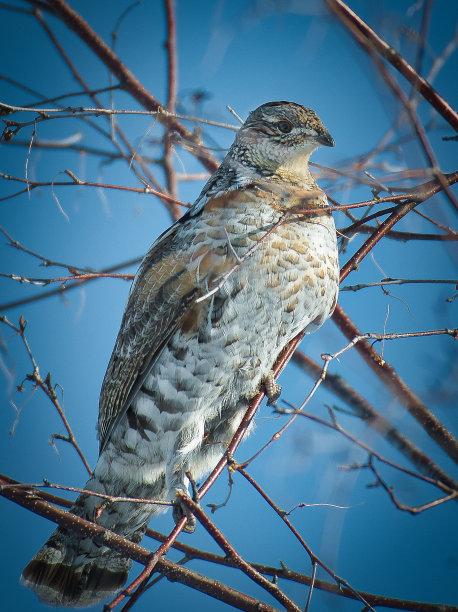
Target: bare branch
x=40, y=503
x=233, y=555
x=341, y=583
x=173, y=571
x=76, y=23
x=433, y=427
x=46, y=386
x=80, y=182
x=374, y=419
x=400, y=281
x=371, y=41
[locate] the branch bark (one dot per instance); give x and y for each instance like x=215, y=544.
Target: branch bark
x=31, y=501
x=397, y=386
x=372, y=41
x=174, y=572
x=128, y=81
x=339, y=387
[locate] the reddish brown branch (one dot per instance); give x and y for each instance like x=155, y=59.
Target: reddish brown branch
x=452, y=493
x=42, y=282
x=233, y=555
x=399, y=505
x=195, y=553
x=172, y=76
x=422, y=40
x=128, y=81
x=369, y=39
x=136, y=587
x=374, y=419
x=418, y=127
x=362, y=228
x=79, y=182
x=397, y=386
x=171, y=46
x=416, y=196
x=60, y=290
x=341, y=583
x=132, y=153
x=172, y=571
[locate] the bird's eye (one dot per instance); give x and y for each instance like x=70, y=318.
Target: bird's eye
x=284, y=126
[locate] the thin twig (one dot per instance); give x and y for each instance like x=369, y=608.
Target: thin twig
x=43, y=282
x=374, y=419
x=81, y=183
x=313, y=558
x=450, y=493
x=78, y=282
x=110, y=498
x=32, y=501
x=400, y=281
x=367, y=37
x=46, y=387
x=433, y=427
x=173, y=571
x=230, y=551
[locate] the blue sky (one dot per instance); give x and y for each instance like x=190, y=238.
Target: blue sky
x=240, y=54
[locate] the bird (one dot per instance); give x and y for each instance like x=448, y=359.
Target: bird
x=216, y=299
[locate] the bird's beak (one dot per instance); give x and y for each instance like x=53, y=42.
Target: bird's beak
x=326, y=139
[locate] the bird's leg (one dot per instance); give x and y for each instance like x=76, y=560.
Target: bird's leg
x=271, y=388
x=195, y=490
x=179, y=510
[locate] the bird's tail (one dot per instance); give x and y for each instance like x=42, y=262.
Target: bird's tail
x=73, y=570
x=68, y=571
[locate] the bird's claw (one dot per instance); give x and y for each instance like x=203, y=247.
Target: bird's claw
x=179, y=511
x=271, y=388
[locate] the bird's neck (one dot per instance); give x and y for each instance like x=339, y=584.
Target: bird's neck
x=294, y=172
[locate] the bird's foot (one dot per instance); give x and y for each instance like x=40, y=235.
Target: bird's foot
x=271, y=388
x=180, y=510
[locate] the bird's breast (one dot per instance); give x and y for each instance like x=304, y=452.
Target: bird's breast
x=260, y=287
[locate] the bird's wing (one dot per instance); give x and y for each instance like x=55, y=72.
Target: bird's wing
x=175, y=272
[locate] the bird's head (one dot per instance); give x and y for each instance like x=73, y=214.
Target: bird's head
x=280, y=136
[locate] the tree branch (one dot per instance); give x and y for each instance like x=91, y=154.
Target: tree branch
x=374, y=419
x=370, y=40
x=397, y=386
x=128, y=81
